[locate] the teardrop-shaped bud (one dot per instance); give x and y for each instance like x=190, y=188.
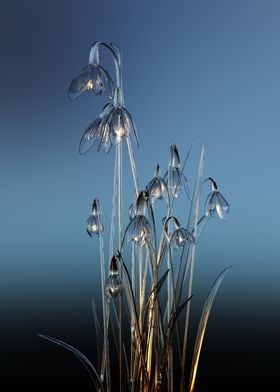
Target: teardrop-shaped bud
x=174, y=159
x=216, y=204
x=114, y=266
x=174, y=181
x=113, y=286
x=96, y=207
x=94, y=226
x=157, y=187
x=118, y=128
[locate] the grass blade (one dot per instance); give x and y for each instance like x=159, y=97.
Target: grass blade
x=84, y=360
x=193, y=218
x=202, y=326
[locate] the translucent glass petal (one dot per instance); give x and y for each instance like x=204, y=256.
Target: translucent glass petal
x=139, y=230
x=175, y=181
x=180, y=237
x=106, y=82
x=216, y=204
x=174, y=159
x=106, y=111
x=222, y=206
x=130, y=124
x=157, y=189
x=211, y=203
x=118, y=128
x=90, y=136
x=80, y=83
x=113, y=286
x=132, y=211
x=105, y=142
x=96, y=77
x=94, y=226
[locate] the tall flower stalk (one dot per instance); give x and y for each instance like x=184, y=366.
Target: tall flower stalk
x=147, y=270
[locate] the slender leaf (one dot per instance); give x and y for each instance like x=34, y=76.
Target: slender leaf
x=98, y=332
x=193, y=217
x=202, y=326
x=84, y=360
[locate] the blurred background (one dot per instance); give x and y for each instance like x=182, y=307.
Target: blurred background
x=201, y=72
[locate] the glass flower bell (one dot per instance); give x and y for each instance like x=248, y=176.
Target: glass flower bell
x=92, y=78
x=139, y=230
x=94, y=222
x=180, y=237
x=157, y=187
x=174, y=175
x=113, y=285
x=216, y=204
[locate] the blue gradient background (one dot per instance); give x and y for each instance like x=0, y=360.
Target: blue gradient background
x=193, y=71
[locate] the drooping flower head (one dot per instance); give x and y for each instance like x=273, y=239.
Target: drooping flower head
x=113, y=125
x=139, y=229
x=92, y=78
x=216, y=204
x=157, y=187
x=113, y=285
x=174, y=175
x=176, y=235
x=94, y=222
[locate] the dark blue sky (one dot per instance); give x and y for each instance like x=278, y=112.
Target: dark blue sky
x=202, y=71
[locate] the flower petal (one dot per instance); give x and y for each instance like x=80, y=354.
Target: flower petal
x=106, y=82
x=174, y=159
x=118, y=128
x=94, y=226
x=113, y=286
x=90, y=136
x=80, y=83
x=157, y=188
x=105, y=142
x=222, y=206
x=130, y=125
x=180, y=237
x=174, y=181
x=139, y=230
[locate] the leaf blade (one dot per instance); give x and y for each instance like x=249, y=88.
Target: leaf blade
x=202, y=326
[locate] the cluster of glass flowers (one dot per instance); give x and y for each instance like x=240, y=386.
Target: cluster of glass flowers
x=114, y=122
x=164, y=262
x=114, y=125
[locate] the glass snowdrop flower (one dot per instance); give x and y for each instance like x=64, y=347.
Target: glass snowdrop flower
x=113, y=125
x=92, y=78
x=173, y=177
x=113, y=285
x=180, y=237
x=139, y=229
x=157, y=187
x=139, y=207
x=94, y=222
x=96, y=132
x=216, y=204
x=119, y=121
x=176, y=235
